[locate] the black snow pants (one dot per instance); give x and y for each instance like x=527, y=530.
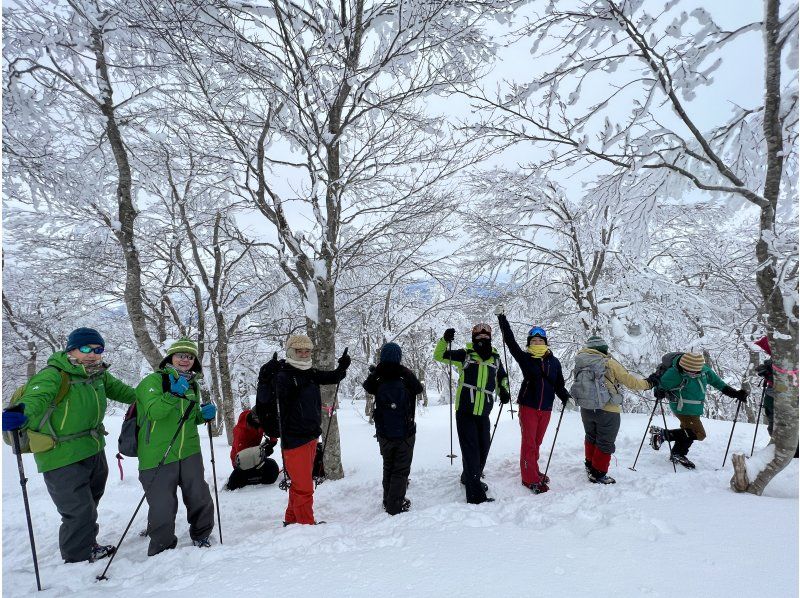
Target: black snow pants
x=397, y=454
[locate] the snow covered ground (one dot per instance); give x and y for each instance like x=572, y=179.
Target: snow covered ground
x=655, y=533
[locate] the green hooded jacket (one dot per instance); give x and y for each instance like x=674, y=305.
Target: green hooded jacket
x=82, y=410
x=158, y=414
x=687, y=394
x=478, y=379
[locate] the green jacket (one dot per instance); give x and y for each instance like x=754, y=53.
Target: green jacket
x=82, y=410
x=158, y=414
x=478, y=380
x=688, y=394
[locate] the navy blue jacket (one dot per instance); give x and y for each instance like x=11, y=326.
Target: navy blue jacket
x=542, y=378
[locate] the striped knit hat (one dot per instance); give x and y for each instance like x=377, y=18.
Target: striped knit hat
x=692, y=362
x=183, y=345
x=595, y=342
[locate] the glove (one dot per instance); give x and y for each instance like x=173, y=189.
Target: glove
x=449, y=335
x=270, y=368
x=659, y=393
x=266, y=449
x=371, y=369
x=178, y=386
x=565, y=400
x=763, y=369
x=653, y=380
x=14, y=418
x=500, y=310
x=344, y=361
x=208, y=411
x=505, y=397
x=741, y=395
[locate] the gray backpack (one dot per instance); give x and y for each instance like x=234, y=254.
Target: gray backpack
x=589, y=389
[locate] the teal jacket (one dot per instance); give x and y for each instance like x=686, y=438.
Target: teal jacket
x=478, y=379
x=687, y=394
x=79, y=414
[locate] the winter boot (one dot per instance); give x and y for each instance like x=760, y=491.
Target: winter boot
x=681, y=460
x=484, y=485
x=101, y=552
x=202, y=542
x=544, y=478
x=588, y=465
x=657, y=437
x=600, y=477
x=404, y=508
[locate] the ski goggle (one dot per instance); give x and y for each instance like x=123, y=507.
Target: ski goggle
x=86, y=349
x=537, y=331
x=482, y=329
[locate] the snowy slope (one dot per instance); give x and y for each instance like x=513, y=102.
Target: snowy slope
x=655, y=533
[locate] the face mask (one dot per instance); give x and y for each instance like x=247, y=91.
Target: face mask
x=537, y=351
x=483, y=347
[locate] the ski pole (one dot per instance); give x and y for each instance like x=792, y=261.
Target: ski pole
x=23, y=481
x=330, y=416
x=214, y=472
x=666, y=435
x=508, y=373
x=641, y=444
x=735, y=417
x=496, y=421
x=451, y=456
x=758, y=419
x=184, y=417
x=552, y=448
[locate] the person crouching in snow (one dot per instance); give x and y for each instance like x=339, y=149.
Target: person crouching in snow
x=249, y=455
x=685, y=384
x=295, y=383
x=596, y=390
x=481, y=376
x=542, y=381
x=395, y=389
x=162, y=399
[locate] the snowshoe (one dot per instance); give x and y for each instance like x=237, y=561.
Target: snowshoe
x=539, y=488
x=101, y=552
x=657, y=437
x=600, y=477
x=404, y=508
x=588, y=466
x=681, y=460
x=320, y=522
x=544, y=478
x=202, y=542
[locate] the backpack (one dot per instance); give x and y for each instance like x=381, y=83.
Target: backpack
x=589, y=389
x=31, y=441
x=667, y=360
x=394, y=411
x=128, y=442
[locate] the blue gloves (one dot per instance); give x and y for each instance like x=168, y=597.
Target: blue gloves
x=208, y=411
x=178, y=386
x=14, y=418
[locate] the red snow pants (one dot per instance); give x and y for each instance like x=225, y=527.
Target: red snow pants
x=299, y=464
x=534, y=424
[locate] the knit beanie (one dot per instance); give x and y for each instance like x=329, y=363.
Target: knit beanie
x=598, y=343
x=692, y=362
x=391, y=353
x=183, y=345
x=84, y=336
x=295, y=342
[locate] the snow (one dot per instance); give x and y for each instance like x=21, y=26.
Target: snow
x=655, y=533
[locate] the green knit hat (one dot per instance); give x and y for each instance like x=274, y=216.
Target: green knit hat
x=183, y=345
x=598, y=343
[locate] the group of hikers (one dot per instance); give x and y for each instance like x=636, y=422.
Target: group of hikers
x=59, y=414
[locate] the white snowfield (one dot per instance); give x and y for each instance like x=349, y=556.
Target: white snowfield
x=655, y=533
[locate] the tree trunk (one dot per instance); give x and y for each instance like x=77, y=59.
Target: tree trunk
x=32, y=354
x=225, y=386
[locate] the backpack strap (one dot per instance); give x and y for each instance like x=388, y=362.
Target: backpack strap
x=63, y=391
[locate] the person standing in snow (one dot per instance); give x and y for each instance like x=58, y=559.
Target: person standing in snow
x=163, y=397
x=395, y=389
x=542, y=381
x=481, y=376
x=68, y=439
x=685, y=384
x=597, y=392
x=294, y=383
x=250, y=454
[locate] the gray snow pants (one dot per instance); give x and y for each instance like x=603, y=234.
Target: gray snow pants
x=76, y=490
x=601, y=428
x=161, y=492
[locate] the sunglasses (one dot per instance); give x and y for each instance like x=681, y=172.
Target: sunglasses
x=86, y=349
x=188, y=356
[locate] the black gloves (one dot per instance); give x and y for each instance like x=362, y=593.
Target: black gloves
x=270, y=368
x=739, y=395
x=344, y=360
x=652, y=379
x=659, y=393
x=505, y=397
x=449, y=335
x=565, y=400
x=267, y=448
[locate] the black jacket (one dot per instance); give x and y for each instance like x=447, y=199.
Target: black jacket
x=393, y=421
x=542, y=378
x=299, y=401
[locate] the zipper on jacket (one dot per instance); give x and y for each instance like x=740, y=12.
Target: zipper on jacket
x=66, y=410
